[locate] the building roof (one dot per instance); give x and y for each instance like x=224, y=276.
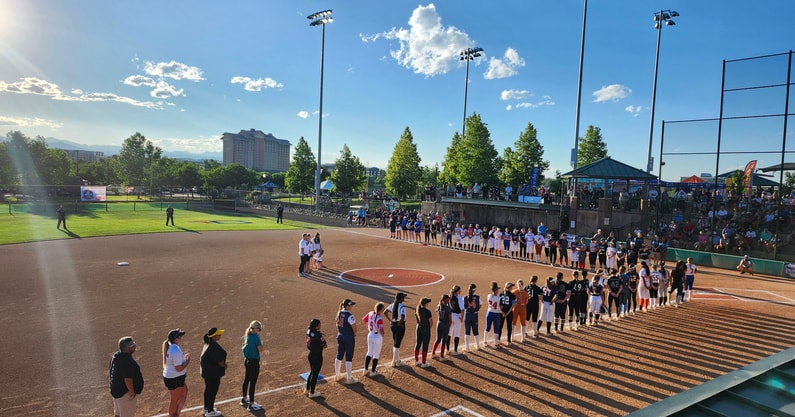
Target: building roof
x=758, y=180
x=786, y=166
x=609, y=168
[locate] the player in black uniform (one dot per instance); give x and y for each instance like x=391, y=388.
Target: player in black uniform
x=579, y=296
x=615, y=288
x=532, y=304
x=548, y=295
x=507, y=303
x=561, y=301
x=595, y=292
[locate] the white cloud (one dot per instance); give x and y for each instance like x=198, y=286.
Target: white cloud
x=547, y=101
x=29, y=122
x=258, y=84
x=612, y=92
x=514, y=94
x=192, y=145
x=303, y=114
x=504, y=67
x=427, y=47
x=165, y=90
x=634, y=110
x=508, y=108
x=139, y=80
x=174, y=70
x=37, y=86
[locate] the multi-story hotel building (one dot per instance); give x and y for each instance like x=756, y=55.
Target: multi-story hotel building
x=256, y=150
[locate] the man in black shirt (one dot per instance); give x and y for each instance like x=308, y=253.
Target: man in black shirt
x=126, y=380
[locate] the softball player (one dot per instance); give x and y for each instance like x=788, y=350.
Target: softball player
x=595, y=291
x=423, y=316
x=520, y=309
x=538, y=242
x=561, y=301
x=472, y=306
x=548, y=295
x=690, y=278
x=346, y=333
x=375, y=337
x=534, y=298
x=476, y=235
x=457, y=318
x=493, y=315
x=396, y=314
x=443, y=322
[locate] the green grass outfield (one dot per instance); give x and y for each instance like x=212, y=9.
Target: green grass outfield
x=20, y=224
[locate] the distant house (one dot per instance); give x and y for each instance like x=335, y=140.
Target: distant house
x=256, y=150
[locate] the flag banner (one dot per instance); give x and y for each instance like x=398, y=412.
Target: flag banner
x=748, y=174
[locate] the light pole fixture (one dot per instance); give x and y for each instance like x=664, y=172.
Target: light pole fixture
x=468, y=55
x=576, y=149
x=320, y=19
x=661, y=18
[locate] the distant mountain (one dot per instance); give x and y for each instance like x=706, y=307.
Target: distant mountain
x=114, y=150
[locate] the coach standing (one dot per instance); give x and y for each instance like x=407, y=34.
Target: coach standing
x=304, y=251
x=126, y=380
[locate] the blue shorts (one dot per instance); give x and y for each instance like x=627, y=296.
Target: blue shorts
x=689, y=280
x=345, y=345
x=492, y=319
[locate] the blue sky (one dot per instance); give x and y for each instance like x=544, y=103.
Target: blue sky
x=184, y=72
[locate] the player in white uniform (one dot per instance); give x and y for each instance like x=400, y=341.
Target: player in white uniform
x=476, y=239
x=457, y=306
x=375, y=337
x=539, y=246
x=396, y=314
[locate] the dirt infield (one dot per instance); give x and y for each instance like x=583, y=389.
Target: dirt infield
x=66, y=303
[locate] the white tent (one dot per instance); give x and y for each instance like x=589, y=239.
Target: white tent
x=326, y=185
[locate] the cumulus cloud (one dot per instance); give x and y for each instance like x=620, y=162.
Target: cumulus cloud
x=545, y=101
x=426, y=47
x=515, y=94
x=37, y=86
x=612, y=92
x=18, y=122
x=192, y=145
x=634, y=110
x=139, y=80
x=504, y=67
x=303, y=114
x=258, y=84
x=174, y=70
x=164, y=90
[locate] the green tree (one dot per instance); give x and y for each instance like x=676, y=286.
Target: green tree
x=233, y=175
x=403, y=169
x=8, y=178
x=592, y=148
x=136, y=160
x=300, y=177
x=478, y=159
x=348, y=174
x=33, y=163
x=518, y=164
x=102, y=171
x=451, y=165
x=278, y=178
x=189, y=175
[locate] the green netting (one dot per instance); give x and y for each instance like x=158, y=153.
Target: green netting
x=762, y=266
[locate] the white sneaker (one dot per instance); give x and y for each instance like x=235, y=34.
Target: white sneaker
x=425, y=365
x=212, y=413
x=374, y=373
x=314, y=395
x=254, y=406
x=350, y=381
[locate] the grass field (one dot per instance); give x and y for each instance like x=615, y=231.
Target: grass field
x=88, y=220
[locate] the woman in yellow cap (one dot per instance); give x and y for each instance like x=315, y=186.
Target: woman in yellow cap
x=213, y=367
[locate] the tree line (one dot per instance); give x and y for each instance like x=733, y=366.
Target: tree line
x=469, y=159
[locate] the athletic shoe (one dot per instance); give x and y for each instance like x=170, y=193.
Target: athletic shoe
x=300, y=275
x=395, y=364
x=374, y=373
x=244, y=402
x=425, y=365
x=455, y=353
x=350, y=381
x=212, y=413
x=254, y=406
x=314, y=395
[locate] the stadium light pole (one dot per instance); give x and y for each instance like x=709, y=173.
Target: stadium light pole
x=468, y=55
x=576, y=149
x=661, y=18
x=320, y=19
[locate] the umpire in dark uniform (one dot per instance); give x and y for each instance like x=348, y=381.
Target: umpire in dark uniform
x=170, y=215
x=280, y=214
x=126, y=380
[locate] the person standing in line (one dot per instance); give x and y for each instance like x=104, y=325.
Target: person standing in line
x=61, y=214
x=654, y=277
x=614, y=288
x=471, y=309
x=690, y=279
x=375, y=337
x=456, y=318
x=396, y=314
x=126, y=380
x=548, y=296
x=252, y=349
x=623, y=301
x=170, y=215
x=304, y=252
x=533, y=299
x=644, y=284
x=423, y=316
x=443, y=322
x=213, y=367
x=665, y=281
x=595, y=291
x=507, y=305
x=346, y=340
x=678, y=282
x=520, y=308
x=493, y=316
x=561, y=301
x=552, y=250
x=579, y=296
x=315, y=343
x=175, y=368
x=563, y=250
x=280, y=214
x=632, y=301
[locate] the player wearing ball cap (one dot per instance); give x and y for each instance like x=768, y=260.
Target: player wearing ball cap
x=395, y=313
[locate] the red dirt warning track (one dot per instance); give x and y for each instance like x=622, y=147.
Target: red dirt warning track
x=391, y=277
